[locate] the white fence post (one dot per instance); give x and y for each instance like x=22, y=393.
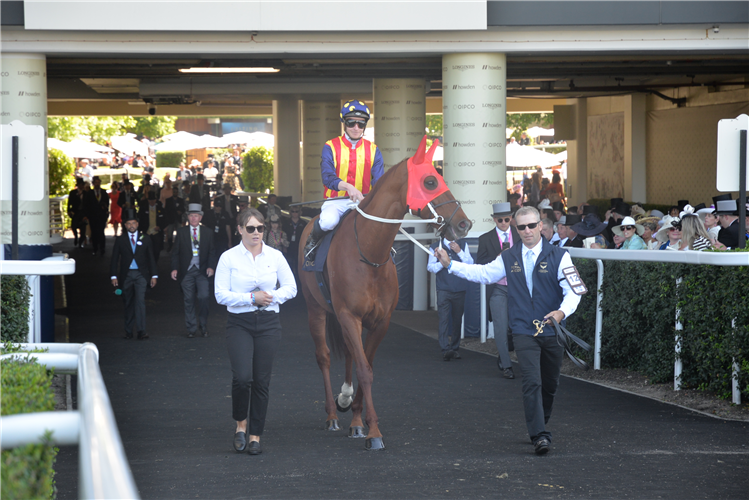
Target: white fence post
x=483, y=312
x=735, y=391
x=679, y=328
x=599, y=316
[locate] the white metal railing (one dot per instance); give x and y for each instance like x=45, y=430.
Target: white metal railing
x=685, y=257
x=56, y=265
x=104, y=471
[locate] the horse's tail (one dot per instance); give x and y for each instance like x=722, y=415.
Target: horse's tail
x=335, y=335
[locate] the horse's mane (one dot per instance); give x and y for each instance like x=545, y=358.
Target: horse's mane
x=380, y=182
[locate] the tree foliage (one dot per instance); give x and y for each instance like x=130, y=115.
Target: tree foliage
x=523, y=121
x=257, y=170
x=100, y=129
x=434, y=125
x=61, y=168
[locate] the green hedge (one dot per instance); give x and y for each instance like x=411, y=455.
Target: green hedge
x=639, y=310
x=169, y=159
x=27, y=471
x=257, y=170
x=14, y=309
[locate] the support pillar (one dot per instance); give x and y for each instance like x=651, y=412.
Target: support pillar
x=286, y=168
x=474, y=99
x=400, y=117
x=635, y=140
x=24, y=98
x=320, y=123
x=577, y=155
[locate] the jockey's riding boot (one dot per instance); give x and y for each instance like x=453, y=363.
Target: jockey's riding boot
x=313, y=240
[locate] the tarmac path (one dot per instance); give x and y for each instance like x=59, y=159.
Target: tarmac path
x=451, y=430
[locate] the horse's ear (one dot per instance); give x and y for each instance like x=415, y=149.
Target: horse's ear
x=418, y=158
x=430, y=153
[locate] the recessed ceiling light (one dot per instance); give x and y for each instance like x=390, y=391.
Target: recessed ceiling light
x=229, y=70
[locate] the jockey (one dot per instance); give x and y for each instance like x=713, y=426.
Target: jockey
x=349, y=157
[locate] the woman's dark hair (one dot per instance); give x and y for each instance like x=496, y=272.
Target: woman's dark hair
x=556, y=178
x=247, y=214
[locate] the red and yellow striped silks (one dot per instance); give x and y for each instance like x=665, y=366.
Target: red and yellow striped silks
x=352, y=166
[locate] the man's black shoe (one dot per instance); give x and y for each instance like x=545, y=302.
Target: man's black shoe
x=508, y=373
x=456, y=355
x=127, y=337
x=448, y=355
x=205, y=333
x=143, y=336
x=542, y=446
x=191, y=335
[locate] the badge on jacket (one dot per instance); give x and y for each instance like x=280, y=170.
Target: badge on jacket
x=574, y=280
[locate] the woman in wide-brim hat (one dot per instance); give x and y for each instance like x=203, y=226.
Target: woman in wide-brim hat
x=592, y=227
x=631, y=232
x=650, y=227
x=670, y=234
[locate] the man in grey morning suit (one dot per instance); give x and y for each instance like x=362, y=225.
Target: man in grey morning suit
x=193, y=262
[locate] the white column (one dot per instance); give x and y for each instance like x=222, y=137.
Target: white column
x=474, y=115
x=400, y=117
x=286, y=170
x=320, y=123
x=635, y=139
x=577, y=155
x=24, y=98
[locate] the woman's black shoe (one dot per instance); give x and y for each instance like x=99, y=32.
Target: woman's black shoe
x=255, y=448
x=240, y=441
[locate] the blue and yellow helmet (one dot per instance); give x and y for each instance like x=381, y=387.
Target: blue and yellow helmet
x=354, y=108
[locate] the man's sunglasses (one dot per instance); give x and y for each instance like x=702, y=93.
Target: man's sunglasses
x=356, y=123
x=500, y=219
x=532, y=225
x=252, y=229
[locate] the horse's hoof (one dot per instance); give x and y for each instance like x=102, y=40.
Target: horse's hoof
x=341, y=408
x=374, y=444
x=356, y=432
x=332, y=425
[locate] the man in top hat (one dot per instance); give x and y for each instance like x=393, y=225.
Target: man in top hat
x=573, y=239
x=132, y=266
x=728, y=216
x=193, y=262
x=98, y=213
x=492, y=243
x=558, y=208
x=199, y=193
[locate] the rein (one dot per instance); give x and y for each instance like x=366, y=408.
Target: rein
x=358, y=247
x=563, y=339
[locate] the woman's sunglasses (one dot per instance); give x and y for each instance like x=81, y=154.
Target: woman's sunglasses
x=356, y=123
x=252, y=229
x=627, y=228
x=532, y=225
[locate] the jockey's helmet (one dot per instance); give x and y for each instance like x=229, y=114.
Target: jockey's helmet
x=354, y=109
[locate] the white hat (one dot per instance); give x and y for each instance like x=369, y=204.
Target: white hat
x=628, y=221
x=195, y=208
x=662, y=234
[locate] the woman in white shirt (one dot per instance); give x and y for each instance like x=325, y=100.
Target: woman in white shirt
x=245, y=282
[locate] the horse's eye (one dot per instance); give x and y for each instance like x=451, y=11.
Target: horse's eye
x=430, y=183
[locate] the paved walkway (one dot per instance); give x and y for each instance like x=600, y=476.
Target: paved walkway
x=452, y=430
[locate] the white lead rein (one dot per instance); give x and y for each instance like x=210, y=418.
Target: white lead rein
x=437, y=220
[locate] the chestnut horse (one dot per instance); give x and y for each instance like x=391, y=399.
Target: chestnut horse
x=363, y=283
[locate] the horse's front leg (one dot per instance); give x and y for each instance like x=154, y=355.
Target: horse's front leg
x=352, y=334
x=316, y=316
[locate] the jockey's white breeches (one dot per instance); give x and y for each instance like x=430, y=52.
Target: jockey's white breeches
x=332, y=211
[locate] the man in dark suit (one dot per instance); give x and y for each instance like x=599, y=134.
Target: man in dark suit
x=98, y=214
x=293, y=228
x=574, y=240
x=491, y=244
x=193, y=262
x=174, y=210
x=128, y=198
x=77, y=212
x=728, y=215
x=199, y=193
x=152, y=219
x=131, y=269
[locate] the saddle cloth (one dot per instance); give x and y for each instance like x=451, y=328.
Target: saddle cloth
x=323, y=247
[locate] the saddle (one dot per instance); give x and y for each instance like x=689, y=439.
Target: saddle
x=317, y=266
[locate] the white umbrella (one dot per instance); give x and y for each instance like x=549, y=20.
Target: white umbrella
x=508, y=132
x=129, y=145
x=262, y=139
x=74, y=150
x=538, y=132
x=211, y=141
x=179, y=136
x=526, y=156
x=240, y=137
x=439, y=154
x=91, y=145
x=561, y=156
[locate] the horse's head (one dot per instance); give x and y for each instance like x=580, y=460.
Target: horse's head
x=428, y=196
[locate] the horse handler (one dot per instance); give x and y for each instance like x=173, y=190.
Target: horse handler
x=537, y=290
x=246, y=278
